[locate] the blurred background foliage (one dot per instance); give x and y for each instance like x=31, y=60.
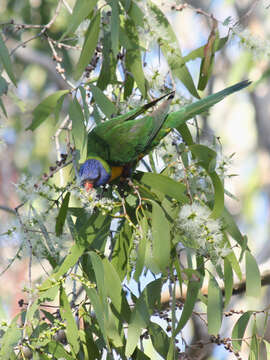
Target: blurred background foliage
x=241, y=122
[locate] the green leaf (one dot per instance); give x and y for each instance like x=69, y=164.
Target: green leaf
x=112, y=277
x=253, y=278
x=214, y=307
x=62, y=214
x=141, y=248
x=3, y=86
x=267, y=346
x=99, y=312
x=71, y=326
x=239, y=330
x=208, y=59
x=160, y=339
x=228, y=281
x=204, y=154
x=231, y=227
x=10, y=339
x=70, y=260
x=165, y=185
x=161, y=237
x=80, y=12
x=45, y=108
x=139, y=319
x=115, y=27
x=235, y=264
x=89, y=46
x=192, y=295
x=58, y=351
x=105, y=105
x=255, y=344
x=172, y=54
x=78, y=127
x=99, y=274
x=219, y=195
x=3, y=107
x=133, y=55
x=121, y=250
x=5, y=60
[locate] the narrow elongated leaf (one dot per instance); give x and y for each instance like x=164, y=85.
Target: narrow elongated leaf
x=141, y=249
x=214, y=307
x=235, y=264
x=112, y=277
x=45, y=108
x=160, y=339
x=239, y=330
x=78, y=128
x=3, y=86
x=70, y=260
x=81, y=10
x=208, y=60
x=267, y=346
x=228, y=281
x=5, y=60
x=139, y=319
x=99, y=312
x=219, y=195
x=253, y=278
x=115, y=27
x=133, y=55
x=172, y=54
x=71, y=326
x=3, y=107
x=192, y=295
x=10, y=339
x=165, y=185
x=231, y=227
x=161, y=237
x=99, y=274
x=105, y=105
x=58, y=350
x=90, y=43
x=254, y=345
x=62, y=214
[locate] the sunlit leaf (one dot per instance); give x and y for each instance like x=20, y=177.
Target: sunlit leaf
x=161, y=237
x=191, y=297
x=171, y=50
x=214, y=307
x=5, y=60
x=105, y=105
x=81, y=10
x=10, y=339
x=115, y=27
x=62, y=214
x=253, y=278
x=79, y=132
x=228, y=281
x=45, y=108
x=90, y=43
x=71, y=326
x=239, y=330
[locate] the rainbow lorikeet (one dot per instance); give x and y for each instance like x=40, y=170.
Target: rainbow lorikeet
x=115, y=146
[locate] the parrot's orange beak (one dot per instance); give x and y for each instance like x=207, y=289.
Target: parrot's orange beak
x=88, y=185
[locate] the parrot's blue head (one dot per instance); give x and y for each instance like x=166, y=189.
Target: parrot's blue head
x=93, y=173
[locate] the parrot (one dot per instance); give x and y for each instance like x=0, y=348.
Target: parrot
x=115, y=146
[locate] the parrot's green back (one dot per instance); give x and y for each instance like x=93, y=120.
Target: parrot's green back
x=123, y=139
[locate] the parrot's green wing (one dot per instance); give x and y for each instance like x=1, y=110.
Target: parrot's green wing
x=125, y=142
x=96, y=138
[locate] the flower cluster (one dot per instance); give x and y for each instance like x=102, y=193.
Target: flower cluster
x=258, y=46
x=201, y=232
